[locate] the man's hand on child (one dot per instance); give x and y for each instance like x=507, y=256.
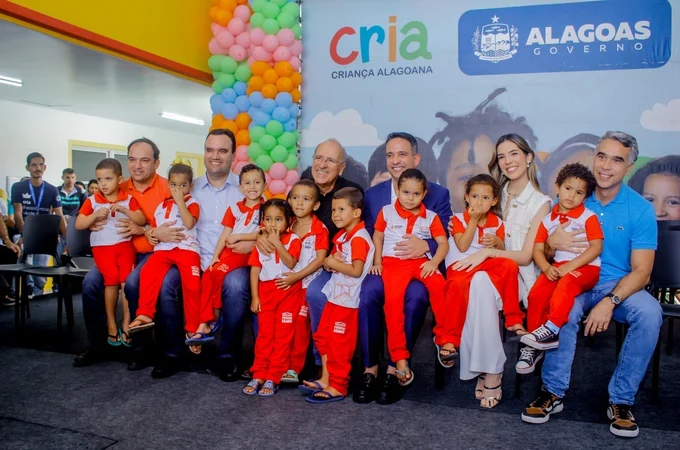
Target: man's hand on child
x=561, y=239
x=553, y=273
x=376, y=269
x=263, y=244
x=167, y=233
x=287, y=280
x=411, y=247
x=127, y=228
x=428, y=268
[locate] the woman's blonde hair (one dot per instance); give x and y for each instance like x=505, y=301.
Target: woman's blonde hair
x=523, y=145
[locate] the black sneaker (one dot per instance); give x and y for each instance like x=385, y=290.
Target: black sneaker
x=528, y=358
x=622, y=421
x=539, y=410
x=8, y=300
x=542, y=338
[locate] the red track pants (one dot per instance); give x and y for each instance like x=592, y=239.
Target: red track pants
x=276, y=322
x=337, y=338
x=504, y=274
x=553, y=300
x=396, y=275
x=303, y=332
x=213, y=278
x=151, y=280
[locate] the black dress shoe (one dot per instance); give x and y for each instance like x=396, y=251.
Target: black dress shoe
x=167, y=368
x=366, y=391
x=227, y=370
x=390, y=391
x=87, y=358
x=137, y=362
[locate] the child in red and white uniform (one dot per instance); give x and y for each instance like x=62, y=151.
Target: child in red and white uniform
x=571, y=274
x=304, y=199
x=276, y=308
x=241, y=223
x=473, y=230
x=184, y=255
x=408, y=216
x=350, y=261
x=113, y=254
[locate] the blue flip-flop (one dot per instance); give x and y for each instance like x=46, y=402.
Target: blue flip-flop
x=310, y=390
x=253, y=384
x=215, y=326
x=329, y=398
x=200, y=340
x=269, y=384
x=122, y=341
x=114, y=342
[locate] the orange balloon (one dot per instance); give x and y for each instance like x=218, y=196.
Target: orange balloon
x=297, y=95
x=296, y=77
x=284, y=84
x=268, y=194
x=213, y=13
x=256, y=83
x=223, y=17
x=229, y=4
x=283, y=68
x=242, y=121
x=243, y=137
x=270, y=76
x=215, y=2
x=249, y=91
x=242, y=2
x=218, y=119
x=269, y=91
x=230, y=125
x=259, y=67
x=280, y=196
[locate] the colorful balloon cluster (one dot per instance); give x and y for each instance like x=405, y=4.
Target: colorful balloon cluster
x=255, y=61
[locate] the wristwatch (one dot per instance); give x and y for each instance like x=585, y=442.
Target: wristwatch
x=147, y=227
x=616, y=300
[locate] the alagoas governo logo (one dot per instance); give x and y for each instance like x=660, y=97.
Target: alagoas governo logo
x=495, y=41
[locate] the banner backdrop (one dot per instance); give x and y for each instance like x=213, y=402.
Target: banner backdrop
x=458, y=75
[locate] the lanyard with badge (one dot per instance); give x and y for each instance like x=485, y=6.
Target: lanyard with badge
x=40, y=197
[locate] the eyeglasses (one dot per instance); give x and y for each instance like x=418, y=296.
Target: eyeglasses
x=333, y=161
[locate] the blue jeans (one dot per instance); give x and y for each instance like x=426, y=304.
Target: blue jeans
x=641, y=312
x=316, y=301
x=37, y=284
x=235, y=307
x=371, y=316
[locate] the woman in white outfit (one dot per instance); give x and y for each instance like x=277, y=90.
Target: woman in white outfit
x=524, y=206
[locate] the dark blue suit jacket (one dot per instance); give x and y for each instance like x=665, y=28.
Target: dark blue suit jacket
x=436, y=200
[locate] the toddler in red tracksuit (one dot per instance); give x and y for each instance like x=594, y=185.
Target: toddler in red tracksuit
x=408, y=216
x=477, y=228
x=336, y=337
x=304, y=199
x=241, y=223
x=553, y=294
x=276, y=308
x=185, y=211
x=113, y=254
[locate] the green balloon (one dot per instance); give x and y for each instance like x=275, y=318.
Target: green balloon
x=271, y=11
x=257, y=19
x=256, y=134
x=267, y=142
x=274, y=127
x=293, y=151
x=264, y=162
x=297, y=31
x=255, y=151
x=229, y=64
x=287, y=139
x=291, y=8
x=270, y=26
x=291, y=162
x=217, y=87
x=258, y=5
x=297, y=135
x=285, y=20
x=215, y=62
x=227, y=80
x=279, y=153
x=243, y=73
x=279, y=3
x=216, y=74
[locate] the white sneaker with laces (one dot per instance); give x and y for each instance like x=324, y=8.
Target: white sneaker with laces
x=542, y=338
x=528, y=358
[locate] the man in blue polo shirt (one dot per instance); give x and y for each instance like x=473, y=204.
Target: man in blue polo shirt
x=630, y=241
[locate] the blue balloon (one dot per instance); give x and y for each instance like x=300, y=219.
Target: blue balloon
x=216, y=103
x=261, y=119
x=256, y=99
x=281, y=114
x=240, y=87
x=253, y=110
x=294, y=110
x=291, y=125
x=229, y=95
x=230, y=111
x=284, y=99
x=268, y=105
x=242, y=103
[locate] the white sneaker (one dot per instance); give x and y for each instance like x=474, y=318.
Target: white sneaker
x=528, y=358
x=542, y=338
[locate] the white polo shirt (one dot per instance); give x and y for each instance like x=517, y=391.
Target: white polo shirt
x=241, y=218
x=109, y=234
x=271, y=266
x=493, y=225
x=394, y=221
x=167, y=212
x=316, y=239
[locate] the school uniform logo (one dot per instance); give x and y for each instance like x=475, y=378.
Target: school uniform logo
x=195, y=271
x=287, y=317
x=339, y=327
x=304, y=311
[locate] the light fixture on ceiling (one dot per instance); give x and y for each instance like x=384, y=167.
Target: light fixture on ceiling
x=11, y=81
x=181, y=118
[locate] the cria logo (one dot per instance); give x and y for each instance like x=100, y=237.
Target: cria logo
x=346, y=47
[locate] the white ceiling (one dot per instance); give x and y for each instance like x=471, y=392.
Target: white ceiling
x=64, y=76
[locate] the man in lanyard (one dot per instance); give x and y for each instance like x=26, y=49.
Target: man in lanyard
x=72, y=198
x=34, y=197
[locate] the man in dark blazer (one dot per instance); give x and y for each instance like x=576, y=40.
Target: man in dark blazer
x=401, y=152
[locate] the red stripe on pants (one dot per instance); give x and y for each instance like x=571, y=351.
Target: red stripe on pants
x=396, y=275
x=303, y=332
x=504, y=274
x=276, y=328
x=151, y=279
x=213, y=278
x=553, y=300
x=336, y=338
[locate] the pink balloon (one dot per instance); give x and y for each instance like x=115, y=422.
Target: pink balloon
x=288, y=189
x=286, y=36
x=217, y=28
x=277, y=187
x=249, y=27
x=242, y=12
x=215, y=48
x=267, y=178
x=236, y=26
x=242, y=153
x=256, y=36
x=236, y=168
x=260, y=54
x=282, y=54
x=270, y=43
x=278, y=171
x=292, y=177
x=251, y=59
x=295, y=62
x=296, y=48
x=243, y=39
x=225, y=39
x=238, y=53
